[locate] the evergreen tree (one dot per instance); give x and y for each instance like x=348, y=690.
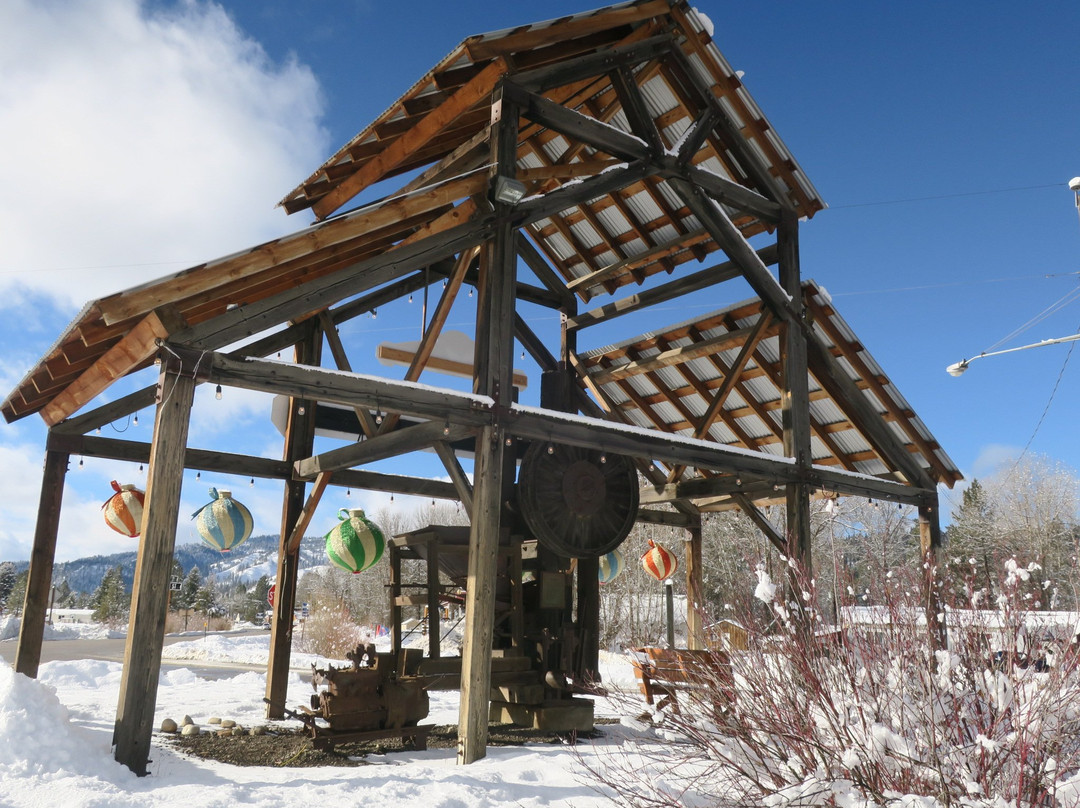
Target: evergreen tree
x=206, y=599
x=189, y=589
x=111, y=600
x=7, y=583
x=64, y=598
x=18, y=593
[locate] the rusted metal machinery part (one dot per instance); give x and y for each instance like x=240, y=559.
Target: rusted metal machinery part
x=578, y=502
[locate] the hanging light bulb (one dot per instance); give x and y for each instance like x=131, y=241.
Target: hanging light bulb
x=140, y=468
x=136, y=421
x=432, y=504
x=198, y=476
x=410, y=298
x=444, y=283
x=80, y=462
x=551, y=448
x=509, y=440
x=603, y=457
x=523, y=354
x=252, y=483
x=98, y=430
x=391, y=496
x=738, y=480
x=374, y=314
x=446, y=427
x=348, y=492
x=378, y=417
x=217, y=392
x=470, y=291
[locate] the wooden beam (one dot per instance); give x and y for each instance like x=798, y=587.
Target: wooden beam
x=677, y=356
x=457, y=474
x=762, y=522
x=696, y=282
x=303, y=521
x=42, y=555
x=731, y=193
x=341, y=359
x=150, y=592
x=107, y=413
x=395, y=484
x=569, y=71
x=635, y=108
x=135, y=348
x=649, y=516
x=422, y=356
x=566, y=171
x=299, y=440
x=494, y=370
x=575, y=125
x=402, y=441
x=547, y=276
x=463, y=99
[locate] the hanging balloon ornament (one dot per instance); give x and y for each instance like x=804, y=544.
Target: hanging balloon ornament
x=123, y=510
x=611, y=566
x=659, y=562
x=356, y=543
x=223, y=522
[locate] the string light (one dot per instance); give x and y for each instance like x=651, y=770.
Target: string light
x=509, y=441
x=198, y=476
x=523, y=354
x=140, y=468
x=80, y=462
x=391, y=496
x=136, y=421
x=374, y=314
x=217, y=392
x=410, y=298
x=551, y=448
x=470, y=291
x=446, y=427
x=252, y=483
x=378, y=417
x=348, y=492
x=603, y=457
x=444, y=283
x=98, y=430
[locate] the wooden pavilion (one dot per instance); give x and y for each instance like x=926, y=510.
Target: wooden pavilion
x=549, y=165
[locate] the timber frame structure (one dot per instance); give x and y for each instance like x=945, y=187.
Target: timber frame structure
x=588, y=153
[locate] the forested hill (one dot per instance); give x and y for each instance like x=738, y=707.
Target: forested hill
x=252, y=559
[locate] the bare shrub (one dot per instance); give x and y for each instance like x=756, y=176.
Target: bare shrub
x=176, y=623
x=868, y=714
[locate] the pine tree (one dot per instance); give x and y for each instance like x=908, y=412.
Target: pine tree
x=189, y=589
x=7, y=583
x=206, y=599
x=111, y=600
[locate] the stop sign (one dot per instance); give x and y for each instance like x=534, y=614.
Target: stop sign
x=270, y=594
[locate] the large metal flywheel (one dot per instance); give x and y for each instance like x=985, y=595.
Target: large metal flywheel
x=578, y=502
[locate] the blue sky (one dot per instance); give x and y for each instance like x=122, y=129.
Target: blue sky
x=141, y=138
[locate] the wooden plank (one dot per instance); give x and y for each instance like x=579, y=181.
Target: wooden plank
x=677, y=356
x=215, y=274
x=303, y=521
x=395, y=484
x=426, y=130
x=451, y=366
x=135, y=348
x=566, y=171
x=696, y=282
x=533, y=37
x=42, y=555
x=150, y=592
x=402, y=441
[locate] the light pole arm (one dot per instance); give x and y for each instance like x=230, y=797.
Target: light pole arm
x=957, y=368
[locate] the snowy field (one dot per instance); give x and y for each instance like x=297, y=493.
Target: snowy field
x=55, y=736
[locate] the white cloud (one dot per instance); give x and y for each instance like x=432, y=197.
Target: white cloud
x=156, y=137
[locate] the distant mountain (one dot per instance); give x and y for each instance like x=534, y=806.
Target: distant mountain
x=247, y=563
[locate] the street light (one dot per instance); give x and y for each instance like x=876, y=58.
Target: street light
x=958, y=368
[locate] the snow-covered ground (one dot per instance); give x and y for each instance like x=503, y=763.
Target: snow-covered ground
x=55, y=736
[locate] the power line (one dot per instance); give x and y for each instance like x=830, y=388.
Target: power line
x=945, y=196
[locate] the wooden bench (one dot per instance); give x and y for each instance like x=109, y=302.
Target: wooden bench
x=662, y=672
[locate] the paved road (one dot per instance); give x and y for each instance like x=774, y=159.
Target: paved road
x=113, y=650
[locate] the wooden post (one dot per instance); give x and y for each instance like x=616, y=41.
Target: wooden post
x=494, y=374
x=150, y=592
x=930, y=544
x=695, y=598
x=299, y=442
x=795, y=398
x=395, y=605
x=588, y=620
x=434, y=619
x=39, y=578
